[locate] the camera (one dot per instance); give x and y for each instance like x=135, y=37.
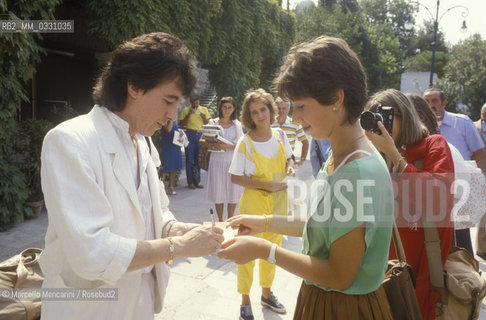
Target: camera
x=369, y=120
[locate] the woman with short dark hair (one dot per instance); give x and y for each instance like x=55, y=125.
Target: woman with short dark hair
x=344, y=255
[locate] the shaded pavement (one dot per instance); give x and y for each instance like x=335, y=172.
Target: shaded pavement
x=199, y=288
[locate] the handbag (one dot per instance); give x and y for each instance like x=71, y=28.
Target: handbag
x=21, y=271
x=203, y=158
x=399, y=285
x=459, y=283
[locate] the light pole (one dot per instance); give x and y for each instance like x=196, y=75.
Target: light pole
x=436, y=20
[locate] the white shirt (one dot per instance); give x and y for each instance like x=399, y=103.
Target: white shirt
x=240, y=165
x=133, y=155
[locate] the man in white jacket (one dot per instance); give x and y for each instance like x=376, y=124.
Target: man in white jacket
x=109, y=223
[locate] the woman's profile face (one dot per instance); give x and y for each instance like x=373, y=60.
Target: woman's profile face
x=259, y=114
x=315, y=118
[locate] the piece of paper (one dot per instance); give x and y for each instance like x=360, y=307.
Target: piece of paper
x=228, y=234
x=178, y=138
x=219, y=224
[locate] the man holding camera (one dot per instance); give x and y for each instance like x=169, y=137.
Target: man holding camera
x=193, y=118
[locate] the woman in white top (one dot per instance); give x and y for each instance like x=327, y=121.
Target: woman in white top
x=220, y=189
x=262, y=160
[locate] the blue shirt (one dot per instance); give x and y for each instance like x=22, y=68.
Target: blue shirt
x=325, y=148
x=483, y=129
x=459, y=130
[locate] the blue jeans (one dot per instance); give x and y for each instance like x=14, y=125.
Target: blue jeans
x=193, y=171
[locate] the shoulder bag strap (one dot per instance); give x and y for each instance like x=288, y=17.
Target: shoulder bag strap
x=397, y=241
x=432, y=247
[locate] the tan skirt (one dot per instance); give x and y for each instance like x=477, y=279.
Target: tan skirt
x=315, y=303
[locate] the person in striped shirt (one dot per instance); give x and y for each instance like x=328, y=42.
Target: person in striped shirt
x=293, y=130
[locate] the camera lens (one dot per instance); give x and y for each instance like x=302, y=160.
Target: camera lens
x=369, y=120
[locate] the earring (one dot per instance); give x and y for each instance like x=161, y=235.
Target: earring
x=333, y=108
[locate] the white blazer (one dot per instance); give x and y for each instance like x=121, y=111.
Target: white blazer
x=95, y=219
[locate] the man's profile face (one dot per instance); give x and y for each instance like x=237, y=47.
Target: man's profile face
x=435, y=103
x=149, y=110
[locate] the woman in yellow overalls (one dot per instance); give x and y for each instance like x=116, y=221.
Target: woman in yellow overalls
x=260, y=164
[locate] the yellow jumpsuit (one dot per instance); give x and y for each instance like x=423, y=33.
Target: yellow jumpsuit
x=256, y=201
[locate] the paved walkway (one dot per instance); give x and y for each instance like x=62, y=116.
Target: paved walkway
x=199, y=288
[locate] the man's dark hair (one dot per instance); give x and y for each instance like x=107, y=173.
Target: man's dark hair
x=145, y=62
x=318, y=69
x=220, y=107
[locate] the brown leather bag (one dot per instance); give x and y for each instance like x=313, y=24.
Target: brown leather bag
x=399, y=285
x=21, y=271
x=203, y=158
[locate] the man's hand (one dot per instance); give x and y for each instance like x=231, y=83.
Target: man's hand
x=181, y=228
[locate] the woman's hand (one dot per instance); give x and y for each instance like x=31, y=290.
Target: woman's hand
x=274, y=186
x=384, y=142
x=244, y=249
x=291, y=171
x=198, y=242
x=289, y=167
x=247, y=224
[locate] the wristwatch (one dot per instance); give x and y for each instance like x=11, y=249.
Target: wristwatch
x=171, y=251
x=271, y=255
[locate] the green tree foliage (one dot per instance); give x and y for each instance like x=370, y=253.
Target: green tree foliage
x=377, y=46
x=394, y=13
x=465, y=75
x=386, y=45
x=189, y=20
x=240, y=42
x=18, y=54
x=421, y=62
x=424, y=38
x=387, y=20
x=254, y=39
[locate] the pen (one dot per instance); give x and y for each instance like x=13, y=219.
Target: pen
x=212, y=217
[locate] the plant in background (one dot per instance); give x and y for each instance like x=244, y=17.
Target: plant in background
x=464, y=78
x=34, y=132
x=26, y=156
x=19, y=52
